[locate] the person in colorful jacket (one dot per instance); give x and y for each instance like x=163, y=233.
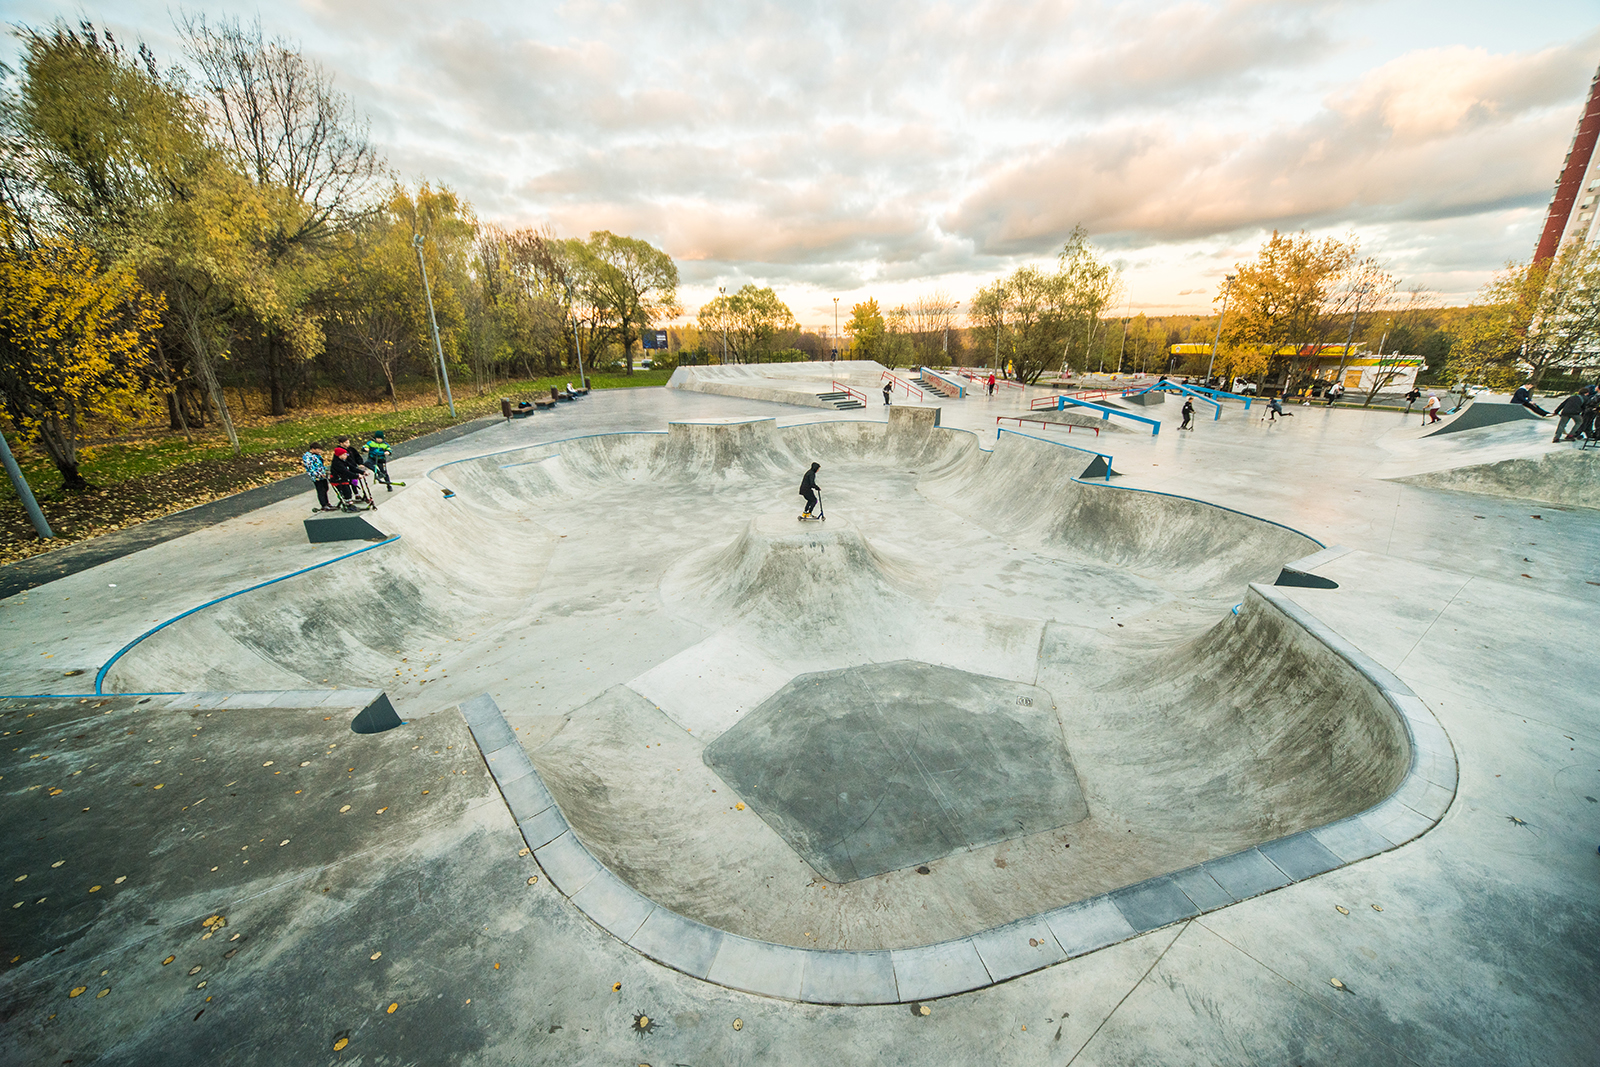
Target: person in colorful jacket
x=317, y=471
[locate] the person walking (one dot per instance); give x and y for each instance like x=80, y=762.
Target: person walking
x=991, y=383
x=1569, y=410
x=809, y=489
x=886, y=387
x=1524, y=396
x=1431, y=413
x=317, y=471
x=1188, y=413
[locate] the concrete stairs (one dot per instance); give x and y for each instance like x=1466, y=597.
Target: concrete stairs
x=934, y=385
x=842, y=401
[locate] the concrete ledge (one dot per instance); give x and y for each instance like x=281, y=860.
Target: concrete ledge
x=1004, y=952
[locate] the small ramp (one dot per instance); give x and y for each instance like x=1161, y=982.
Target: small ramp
x=1099, y=467
x=1479, y=413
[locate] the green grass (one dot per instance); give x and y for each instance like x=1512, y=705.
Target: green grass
x=162, y=450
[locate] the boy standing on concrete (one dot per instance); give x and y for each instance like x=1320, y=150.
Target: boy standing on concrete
x=317, y=471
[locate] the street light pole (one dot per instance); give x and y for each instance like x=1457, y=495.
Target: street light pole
x=836, y=327
x=444, y=372
x=722, y=292
x=20, y=484
x=1226, y=290
x=572, y=302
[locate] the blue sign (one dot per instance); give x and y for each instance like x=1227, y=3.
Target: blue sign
x=653, y=338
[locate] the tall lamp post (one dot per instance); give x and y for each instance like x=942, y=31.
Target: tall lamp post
x=835, y=327
x=722, y=291
x=1226, y=290
x=20, y=484
x=444, y=372
x=572, y=302
x=952, y=309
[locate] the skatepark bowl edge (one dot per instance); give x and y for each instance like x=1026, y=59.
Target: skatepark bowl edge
x=1105, y=721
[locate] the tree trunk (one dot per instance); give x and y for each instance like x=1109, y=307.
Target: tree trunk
x=59, y=445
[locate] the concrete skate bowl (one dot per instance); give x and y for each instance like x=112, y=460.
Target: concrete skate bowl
x=981, y=690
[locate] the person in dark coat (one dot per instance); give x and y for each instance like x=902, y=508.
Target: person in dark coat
x=1524, y=396
x=1569, y=410
x=809, y=488
x=1188, y=413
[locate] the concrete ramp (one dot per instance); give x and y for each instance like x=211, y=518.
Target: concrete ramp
x=1031, y=489
x=1480, y=413
x=1567, y=476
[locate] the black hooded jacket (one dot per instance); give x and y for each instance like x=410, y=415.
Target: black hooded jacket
x=810, y=480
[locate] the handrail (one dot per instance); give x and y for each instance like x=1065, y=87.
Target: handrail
x=1041, y=403
x=983, y=379
x=907, y=386
x=1106, y=412
x=849, y=391
x=1186, y=390
x=1019, y=420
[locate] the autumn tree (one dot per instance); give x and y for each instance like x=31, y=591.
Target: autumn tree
x=1038, y=318
x=1282, y=299
x=752, y=319
x=74, y=344
x=1532, y=317
x=866, y=327
x=634, y=282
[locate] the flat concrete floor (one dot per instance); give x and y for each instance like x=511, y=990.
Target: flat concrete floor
x=1474, y=944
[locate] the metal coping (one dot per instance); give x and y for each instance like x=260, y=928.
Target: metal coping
x=1023, y=946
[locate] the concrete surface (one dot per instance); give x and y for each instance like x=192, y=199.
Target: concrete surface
x=1483, y=951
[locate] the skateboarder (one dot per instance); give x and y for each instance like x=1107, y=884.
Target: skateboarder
x=1188, y=413
x=886, y=387
x=809, y=487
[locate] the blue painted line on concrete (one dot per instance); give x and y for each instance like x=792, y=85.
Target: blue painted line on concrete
x=100, y=677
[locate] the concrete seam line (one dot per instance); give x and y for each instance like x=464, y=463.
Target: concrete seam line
x=100, y=677
x=1148, y=972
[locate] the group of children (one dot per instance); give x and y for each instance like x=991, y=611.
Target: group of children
x=346, y=469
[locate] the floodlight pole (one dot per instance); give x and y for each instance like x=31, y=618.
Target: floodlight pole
x=721, y=292
x=1226, y=289
x=20, y=484
x=836, y=327
x=444, y=372
x=572, y=305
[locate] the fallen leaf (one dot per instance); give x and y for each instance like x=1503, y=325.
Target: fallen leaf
x=740, y=805
x=381, y=810
x=267, y=764
x=738, y=1024
x=195, y=970
x=392, y=1007
x=120, y=880
x=77, y=991
x=338, y=1046
x=1341, y=909
x=102, y=993
x=925, y=1010
x=375, y=955
x=616, y=987
x=534, y=879
x=168, y=960
x=1377, y=907
x=344, y=809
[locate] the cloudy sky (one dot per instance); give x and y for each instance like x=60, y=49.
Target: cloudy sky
x=894, y=149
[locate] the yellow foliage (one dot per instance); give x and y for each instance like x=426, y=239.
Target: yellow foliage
x=73, y=342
